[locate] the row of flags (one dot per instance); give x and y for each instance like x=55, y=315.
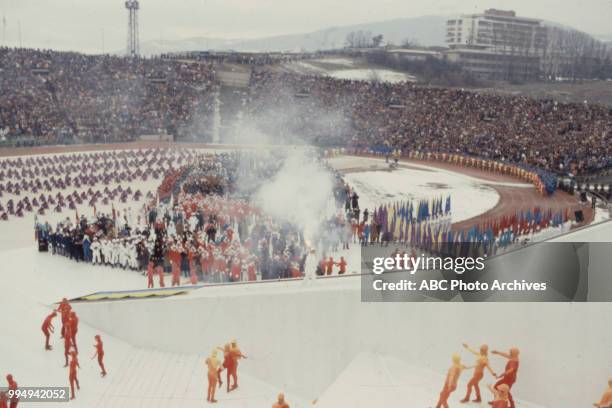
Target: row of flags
x=413, y=221
x=411, y=211
x=490, y=236
x=426, y=224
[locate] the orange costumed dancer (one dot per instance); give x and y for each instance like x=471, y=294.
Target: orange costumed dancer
x=3, y=400
x=280, y=402
x=72, y=376
x=342, y=266
x=47, y=329
x=500, y=396
x=450, y=384
x=232, y=370
x=73, y=321
x=64, y=308
x=100, y=354
x=508, y=377
x=67, y=344
x=482, y=362
x=606, y=398
x=12, y=388
x=213, y=368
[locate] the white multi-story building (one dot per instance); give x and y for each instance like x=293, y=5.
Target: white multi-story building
x=496, y=29
x=497, y=43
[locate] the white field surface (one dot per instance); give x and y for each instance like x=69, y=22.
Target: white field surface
x=374, y=184
x=163, y=366
x=375, y=380
x=344, y=68
x=373, y=74
x=138, y=377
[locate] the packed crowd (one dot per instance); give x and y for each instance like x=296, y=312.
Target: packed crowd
x=515, y=129
x=56, y=96
x=209, y=231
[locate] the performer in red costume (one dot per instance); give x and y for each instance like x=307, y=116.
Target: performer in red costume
x=74, y=328
x=150, y=283
x=72, y=376
x=280, y=402
x=175, y=260
x=251, y=270
x=12, y=386
x=47, y=329
x=67, y=344
x=100, y=354
x=3, y=400
x=64, y=308
x=342, y=266
x=236, y=270
x=329, y=266
x=508, y=377
x=160, y=271
x=500, y=396
x=232, y=370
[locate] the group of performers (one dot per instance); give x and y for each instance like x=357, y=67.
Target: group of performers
x=42, y=184
x=231, y=355
x=69, y=330
x=502, y=398
x=501, y=390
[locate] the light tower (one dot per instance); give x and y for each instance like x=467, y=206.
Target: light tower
x=133, y=46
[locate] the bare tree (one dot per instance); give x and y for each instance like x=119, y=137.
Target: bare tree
x=359, y=39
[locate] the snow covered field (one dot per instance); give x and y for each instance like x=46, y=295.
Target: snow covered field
x=344, y=68
x=374, y=74
x=375, y=185
x=311, y=340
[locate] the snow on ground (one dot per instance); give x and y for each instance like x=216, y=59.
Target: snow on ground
x=373, y=380
x=137, y=377
x=342, y=68
x=34, y=281
x=470, y=197
x=343, y=62
x=140, y=377
x=374, y=75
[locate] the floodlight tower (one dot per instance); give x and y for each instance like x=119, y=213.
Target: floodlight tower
x=133, y=46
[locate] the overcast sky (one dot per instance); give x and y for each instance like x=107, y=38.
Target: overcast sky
x=87, y=25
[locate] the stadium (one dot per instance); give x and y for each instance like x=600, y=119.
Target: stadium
x=204, y=222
